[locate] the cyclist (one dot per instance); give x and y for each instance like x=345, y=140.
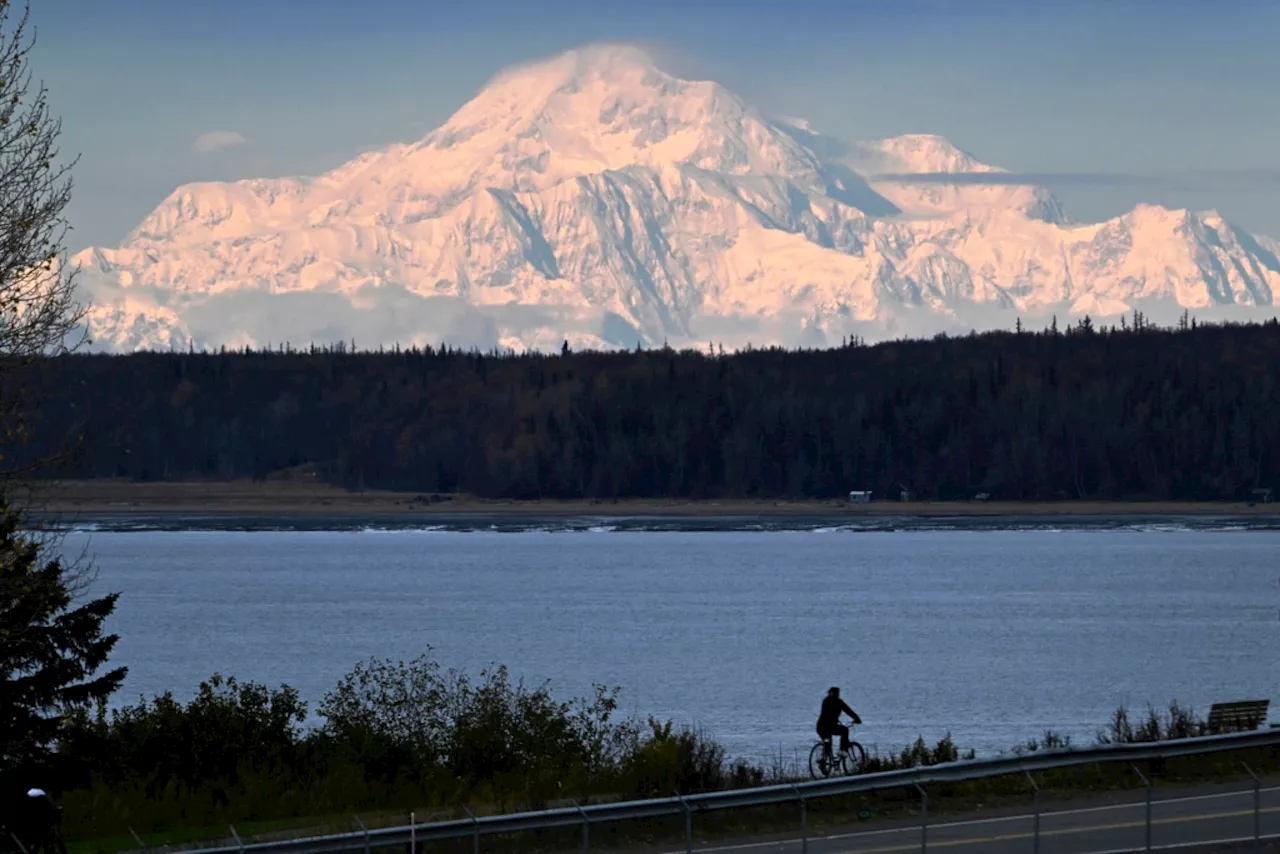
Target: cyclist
x=829, y=718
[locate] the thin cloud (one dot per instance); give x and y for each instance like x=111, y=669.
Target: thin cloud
x=216, y=140
x=1241, y=179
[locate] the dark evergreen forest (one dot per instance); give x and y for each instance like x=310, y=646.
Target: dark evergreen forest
x=1080, y=413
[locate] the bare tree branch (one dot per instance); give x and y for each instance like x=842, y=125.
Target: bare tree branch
x=40, y=316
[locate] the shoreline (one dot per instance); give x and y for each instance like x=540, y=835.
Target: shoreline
x=124, y=499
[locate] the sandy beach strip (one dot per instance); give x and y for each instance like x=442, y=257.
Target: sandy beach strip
x=121, y=498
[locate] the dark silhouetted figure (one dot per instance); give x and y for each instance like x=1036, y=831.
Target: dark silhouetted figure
x=829, y=718
x=39, y=826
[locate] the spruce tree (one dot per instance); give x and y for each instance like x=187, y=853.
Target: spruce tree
x=52, y=647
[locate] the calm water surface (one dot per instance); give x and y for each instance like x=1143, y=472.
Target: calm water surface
x=993, y=635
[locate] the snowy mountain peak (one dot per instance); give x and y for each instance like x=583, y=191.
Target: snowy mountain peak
x=893, y=160
x=598, y=109
x=927, y=153
x=593, y=197
x=541, y=92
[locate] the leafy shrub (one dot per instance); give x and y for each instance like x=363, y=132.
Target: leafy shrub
x=479, y=731
x=916, y=755
x=1049, y=741
x=1178, y=723
x=394, y=734
x=228, y=726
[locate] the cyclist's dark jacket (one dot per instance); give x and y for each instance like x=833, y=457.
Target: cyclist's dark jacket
x=831, y=709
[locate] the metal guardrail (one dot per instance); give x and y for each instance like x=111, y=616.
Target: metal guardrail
x=798, y=793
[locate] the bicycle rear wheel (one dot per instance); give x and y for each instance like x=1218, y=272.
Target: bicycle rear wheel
x=819, y=764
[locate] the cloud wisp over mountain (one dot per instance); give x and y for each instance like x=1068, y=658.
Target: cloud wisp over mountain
x=216, y=140
x=1219, y=181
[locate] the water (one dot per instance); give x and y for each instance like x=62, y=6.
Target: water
x=992, y=635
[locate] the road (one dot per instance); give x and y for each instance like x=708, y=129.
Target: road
x=1177, y=820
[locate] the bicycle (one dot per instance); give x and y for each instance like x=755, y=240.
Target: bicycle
x=823, y=761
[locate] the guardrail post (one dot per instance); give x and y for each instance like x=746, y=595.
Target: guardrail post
x=366, y=833
x=1035, y=807
x=924, y=818
x=136, y=837
x=236, y=836
x=804, y=820
x=475, y=828
x=586, y=829
x=413, y=833
x=1146, y=783
x=688, y=824
x=18, y=842
x=1257, y=805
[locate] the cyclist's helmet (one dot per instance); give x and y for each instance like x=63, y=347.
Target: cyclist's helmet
x=833, y=691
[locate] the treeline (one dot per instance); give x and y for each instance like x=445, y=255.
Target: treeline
x=1191, y=413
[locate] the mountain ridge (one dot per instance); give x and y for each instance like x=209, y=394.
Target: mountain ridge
x=594, y=198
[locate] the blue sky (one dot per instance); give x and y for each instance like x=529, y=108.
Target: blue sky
x=1178, y=93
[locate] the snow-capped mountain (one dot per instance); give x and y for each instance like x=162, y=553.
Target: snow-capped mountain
x=595, y=198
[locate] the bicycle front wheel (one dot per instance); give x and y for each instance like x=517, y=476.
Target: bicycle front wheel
x=855, y=759
x=819, y=765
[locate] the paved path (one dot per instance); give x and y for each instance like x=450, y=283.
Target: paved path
x=1176, y=820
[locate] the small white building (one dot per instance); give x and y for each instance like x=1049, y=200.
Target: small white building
x=860, y=496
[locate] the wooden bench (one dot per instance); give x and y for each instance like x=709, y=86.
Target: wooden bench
x=1240, y=716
